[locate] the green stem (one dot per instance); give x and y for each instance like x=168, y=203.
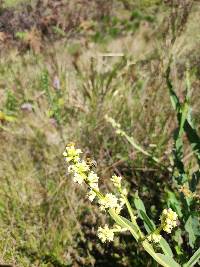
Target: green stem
x=133, y=218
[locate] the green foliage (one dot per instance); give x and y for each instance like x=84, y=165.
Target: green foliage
x=21, y=35
x=193, y=260
x=54, y=97
x=186, y=202
x=12, y=3
x=113, y=203
x=59, y=31
x=11, y=102
x=113, y=26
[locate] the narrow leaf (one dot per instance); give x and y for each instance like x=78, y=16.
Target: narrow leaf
x=165, y=247
x=169, y=260
x=124, y=223
x=193, y=229
x=193, y=260
x=149, y=224
x=164, y=260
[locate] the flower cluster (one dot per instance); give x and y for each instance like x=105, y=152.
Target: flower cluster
x=93, y=184
x=107, y=234
x=155, y=238
x=72, y=154
x=110, y=201
x=83, y=173
x=81, y=170
x=168, y=220
x=112, y=122
x=115, y=125
x=116, y=181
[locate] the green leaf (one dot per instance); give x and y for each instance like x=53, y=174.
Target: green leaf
x=193, y=260
x=149, y=224
x=165, y=247
x=169, y=260
x=174, y=99
x=139, y=203
x=193, y=229
x=181, y=113
x=193, y=138
x=178, y=237
x=174, y=203
x=164, y=260
x=195, y=180
x=184, y=119
x=124, y=223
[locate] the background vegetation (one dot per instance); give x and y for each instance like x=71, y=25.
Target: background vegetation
x=64, y=65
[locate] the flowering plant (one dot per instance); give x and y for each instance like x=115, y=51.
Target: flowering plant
x=113, y=203
x=182, y=194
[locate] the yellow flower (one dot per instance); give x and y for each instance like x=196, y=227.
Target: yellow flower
x=80, y=167
x=91, y=195
x=116, y=180
x=78, y=178
x=124, y=192
x=109, y=201
x=168, y=220
x=71, y=153
x=154, y=238
x=105, y=233
x=93, y=180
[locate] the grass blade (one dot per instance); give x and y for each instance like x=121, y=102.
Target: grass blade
x=193, y=260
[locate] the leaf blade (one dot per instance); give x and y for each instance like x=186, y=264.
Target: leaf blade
x=193, y=260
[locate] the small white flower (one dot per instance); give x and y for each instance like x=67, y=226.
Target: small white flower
x=167, y=228
x=93, y=180
x=110, y=201
x=70, y=169
x=118, y=209
x=172, y=215
x=91, y=195
x=168, y=220
x=81, y=167
x=164, y=212
x=154, y=238
x=105, y=233
x=122, y=202
x=124, y=192
x=78, y=178
x=120, y=205
x=120, y=132
x=112, y=122
x=116, y=180
x=71, y=153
